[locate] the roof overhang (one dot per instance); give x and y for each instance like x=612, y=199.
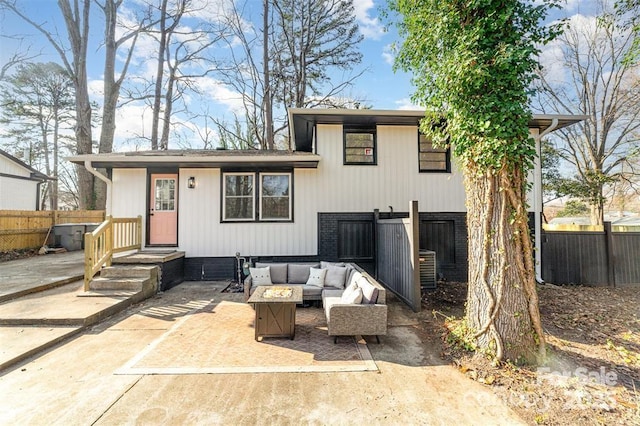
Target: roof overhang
x=231, y=159
x=303, y=121
x=34, y=174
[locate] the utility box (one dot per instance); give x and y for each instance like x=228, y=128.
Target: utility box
x=69, y=235
x=427, y=269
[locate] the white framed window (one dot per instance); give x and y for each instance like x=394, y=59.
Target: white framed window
x=275, y=199
x=239, y=201
x=257, y=196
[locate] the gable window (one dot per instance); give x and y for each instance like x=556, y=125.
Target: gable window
x=432, y=159
x=360, y=146
x=256, y=196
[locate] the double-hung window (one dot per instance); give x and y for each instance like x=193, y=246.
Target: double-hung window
x=257, y=196
x=432, y=159
x=360, y=146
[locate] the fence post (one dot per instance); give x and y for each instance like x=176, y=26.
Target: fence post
x=611, y=261
x=376, y=218
x=414, y=248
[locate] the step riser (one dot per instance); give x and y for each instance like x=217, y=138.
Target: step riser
x=115, y=272
x=132, y=284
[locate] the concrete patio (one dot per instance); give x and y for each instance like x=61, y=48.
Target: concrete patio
x=80, y=379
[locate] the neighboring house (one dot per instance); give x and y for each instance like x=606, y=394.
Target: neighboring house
x=314, y=203
x=19, y=184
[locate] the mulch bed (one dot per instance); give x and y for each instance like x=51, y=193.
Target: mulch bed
x=17, y=254
x=592, y=376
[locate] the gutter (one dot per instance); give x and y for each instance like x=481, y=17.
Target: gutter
x=537, y=200
x=93, y=171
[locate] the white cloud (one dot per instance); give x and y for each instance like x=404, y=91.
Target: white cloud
x=370, y=27
x=388, y=54
x=407, y=104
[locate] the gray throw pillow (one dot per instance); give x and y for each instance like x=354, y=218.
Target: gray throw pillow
x=298, y=274
x=278, y=271
x=324, y=264
x=336, y=276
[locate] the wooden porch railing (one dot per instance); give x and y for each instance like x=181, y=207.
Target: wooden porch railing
x=114, y=235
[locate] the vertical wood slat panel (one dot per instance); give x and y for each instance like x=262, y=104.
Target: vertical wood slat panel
x=581, y=257
x=24, y=229
x=394, y=254
x=626, y=251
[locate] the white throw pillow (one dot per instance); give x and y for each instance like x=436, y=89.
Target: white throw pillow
x=260, y=276
x=316, y=277
x=351, y=295
x=336, y=276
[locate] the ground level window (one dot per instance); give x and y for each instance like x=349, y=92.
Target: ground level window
x=275, y=202
x=360, y=146
x=256, y=196
x=432, y=159
x=239, y=198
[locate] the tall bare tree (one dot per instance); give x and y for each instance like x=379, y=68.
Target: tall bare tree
x=301, y=44
x=599, y=81
x=37, y=102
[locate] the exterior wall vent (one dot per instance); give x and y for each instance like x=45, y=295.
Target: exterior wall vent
x=428, y=269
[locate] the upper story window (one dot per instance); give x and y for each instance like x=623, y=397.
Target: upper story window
x=432, y=159
x=360, y=146
x=244, y=201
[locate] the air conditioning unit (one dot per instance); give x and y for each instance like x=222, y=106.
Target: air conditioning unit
x=427, y=269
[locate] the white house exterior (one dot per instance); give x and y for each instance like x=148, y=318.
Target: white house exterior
x=19, y=184
x=316, y=202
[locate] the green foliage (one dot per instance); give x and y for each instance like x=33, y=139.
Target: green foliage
x=574, y=208
x=473, y=63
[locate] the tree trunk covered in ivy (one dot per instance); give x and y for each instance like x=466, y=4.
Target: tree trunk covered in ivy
x=502, y=307
x=473, y=63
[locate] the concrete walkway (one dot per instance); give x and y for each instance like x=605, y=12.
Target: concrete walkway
x=40, y=304
x=77, y=382
x=38, y=273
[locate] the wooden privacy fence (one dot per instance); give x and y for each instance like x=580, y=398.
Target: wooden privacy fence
x=591, y=258
x=398, y=257
x=114, y=235
x=24, y=229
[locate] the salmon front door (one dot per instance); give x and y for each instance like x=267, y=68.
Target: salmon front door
x=163, y=209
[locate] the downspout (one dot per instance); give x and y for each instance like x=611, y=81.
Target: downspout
x=90, y=169
x=537, y=199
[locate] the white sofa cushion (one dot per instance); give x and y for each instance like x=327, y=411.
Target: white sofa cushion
x=369, y=291
x=352, y=294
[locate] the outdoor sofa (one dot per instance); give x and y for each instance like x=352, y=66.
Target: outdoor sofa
x=354, y=303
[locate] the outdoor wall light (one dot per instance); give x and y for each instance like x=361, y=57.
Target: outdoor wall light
x=191, y=182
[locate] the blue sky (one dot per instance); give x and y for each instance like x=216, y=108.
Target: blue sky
x=379, y=86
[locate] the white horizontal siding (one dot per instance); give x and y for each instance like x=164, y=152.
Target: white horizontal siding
x=129, y=195
x=394, y=181
x=332, y=187
x=17, y=194
x=9, y=167
x=201, y=234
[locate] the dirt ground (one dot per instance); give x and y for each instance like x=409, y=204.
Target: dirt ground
x=593, y=373
x=17, y=254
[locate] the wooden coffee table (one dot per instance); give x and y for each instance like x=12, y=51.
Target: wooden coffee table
x=275, y=308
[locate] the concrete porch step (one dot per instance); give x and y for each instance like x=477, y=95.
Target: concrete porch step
x=127, y=272
x=119, y=284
